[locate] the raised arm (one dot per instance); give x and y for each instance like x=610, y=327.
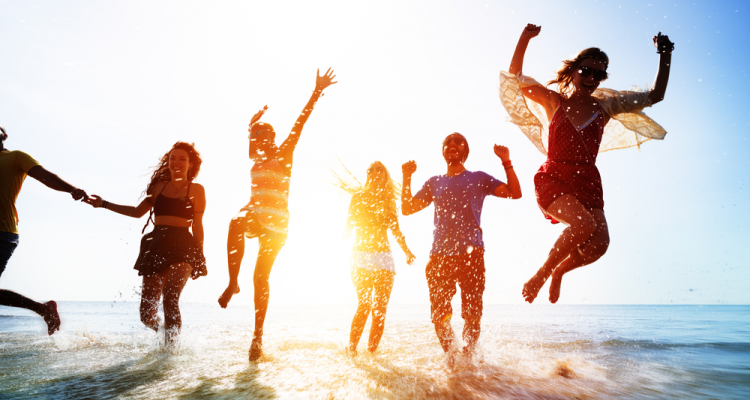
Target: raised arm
x=321, y=82
x=401, y=240
x=538, y=93
x=53, y=181
x=512, y=189
x=664, y=48
x=253, y=120
x=409, y=205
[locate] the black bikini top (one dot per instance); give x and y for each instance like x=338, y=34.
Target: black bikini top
x=180, y=207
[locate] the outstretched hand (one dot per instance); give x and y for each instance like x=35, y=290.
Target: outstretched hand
x=258, y=115
x=531, y=31
x=79, y=194
x=409, y=168
x=322, y=82
x=410, y=258
x=95, y=201
x=502, y=152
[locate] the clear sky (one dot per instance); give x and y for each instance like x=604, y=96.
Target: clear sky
x=98, y=91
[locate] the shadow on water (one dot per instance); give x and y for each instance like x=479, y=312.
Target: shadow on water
x=246, y=386
x=107, y=383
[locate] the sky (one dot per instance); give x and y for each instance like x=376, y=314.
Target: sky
x=99, y=91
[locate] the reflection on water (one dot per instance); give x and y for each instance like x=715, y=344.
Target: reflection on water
x=525, y=352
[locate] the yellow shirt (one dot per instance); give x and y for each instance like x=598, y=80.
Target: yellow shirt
x=14, y=165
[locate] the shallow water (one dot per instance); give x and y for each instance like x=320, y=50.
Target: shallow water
x=537, y=352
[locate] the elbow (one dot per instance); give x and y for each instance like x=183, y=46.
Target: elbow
x=516, y=195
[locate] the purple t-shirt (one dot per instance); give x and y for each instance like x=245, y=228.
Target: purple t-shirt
x=458, y=209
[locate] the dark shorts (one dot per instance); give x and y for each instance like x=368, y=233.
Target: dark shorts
x=167, y=245
x=8, y=244
x=444, y=272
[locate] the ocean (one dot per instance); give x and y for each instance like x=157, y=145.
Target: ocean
x=525, y=352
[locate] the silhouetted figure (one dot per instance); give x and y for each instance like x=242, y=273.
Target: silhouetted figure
x=457, y=255
x=14, y=166
x=584, y=121
x=373, y=211
x=169, y=254
x=266, y=216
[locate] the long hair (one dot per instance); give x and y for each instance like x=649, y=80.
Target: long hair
x=564, y=78
x=161, y=171
x=350, y=184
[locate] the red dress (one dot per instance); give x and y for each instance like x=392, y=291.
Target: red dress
x=570, y=167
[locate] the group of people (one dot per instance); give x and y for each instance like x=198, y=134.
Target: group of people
x=570, y=125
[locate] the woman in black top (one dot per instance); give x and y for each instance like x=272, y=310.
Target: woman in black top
x=170, y=253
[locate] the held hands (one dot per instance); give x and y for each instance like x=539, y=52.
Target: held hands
x=95, y=201
x=502, y=152
x=79, y=194
x=662, y=44
x=531, y=31
x=322, y=82
x=258, y=115
x=409, y=168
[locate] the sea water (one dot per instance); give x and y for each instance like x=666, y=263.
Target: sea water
x=529, y=351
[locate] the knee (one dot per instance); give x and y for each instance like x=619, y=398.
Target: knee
x=585, y=226
x=595, y=250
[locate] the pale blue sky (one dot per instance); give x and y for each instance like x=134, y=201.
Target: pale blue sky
x=97, y=91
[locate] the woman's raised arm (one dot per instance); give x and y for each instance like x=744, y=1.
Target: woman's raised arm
x=321, y=82
x=538, y=93
x=664, y=48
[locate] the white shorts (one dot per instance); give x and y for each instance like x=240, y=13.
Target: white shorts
x=373, y=261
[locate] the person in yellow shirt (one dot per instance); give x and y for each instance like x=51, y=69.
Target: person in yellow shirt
x=14, y=166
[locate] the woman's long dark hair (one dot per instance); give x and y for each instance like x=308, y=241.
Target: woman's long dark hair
x=161, y=171
x=564, y=79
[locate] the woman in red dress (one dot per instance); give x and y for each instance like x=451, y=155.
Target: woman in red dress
x=584, y=120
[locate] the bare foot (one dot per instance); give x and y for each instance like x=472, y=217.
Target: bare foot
x=532, y=287
x=51, y=317
x=230, y=291
x=256, y=350
x=554, y=288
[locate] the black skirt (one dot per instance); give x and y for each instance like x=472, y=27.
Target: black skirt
x=167, y=245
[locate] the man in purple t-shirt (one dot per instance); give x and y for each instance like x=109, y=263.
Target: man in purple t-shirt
x=457, y=255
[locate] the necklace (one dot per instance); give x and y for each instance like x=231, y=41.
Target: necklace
x=179, y=193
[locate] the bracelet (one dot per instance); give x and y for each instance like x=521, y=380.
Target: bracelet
x=666, y=48
x=104, y=204
x=507, y=163
x=508, y=167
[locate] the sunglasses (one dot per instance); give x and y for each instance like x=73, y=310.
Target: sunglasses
x=585, y=72
x=371, y=171
x=258, y=133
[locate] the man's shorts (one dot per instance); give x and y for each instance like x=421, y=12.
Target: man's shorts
x=443, y=272
x=8, y=243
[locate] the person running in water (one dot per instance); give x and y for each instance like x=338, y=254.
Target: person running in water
x=584, y=121
x=457, y=255
x=266, y=216
x=169, y=254
x=373, y=211
x=14, y=166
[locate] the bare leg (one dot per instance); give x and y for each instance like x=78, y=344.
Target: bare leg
x=581, y=226
x=363, y=282
x=383, y=287
x=267, y=253
x=445, y=333
x=150, y=296
x=236, y=251
x=175, y=278
x=589, y=252
x=47, y=310
x=472, y=329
